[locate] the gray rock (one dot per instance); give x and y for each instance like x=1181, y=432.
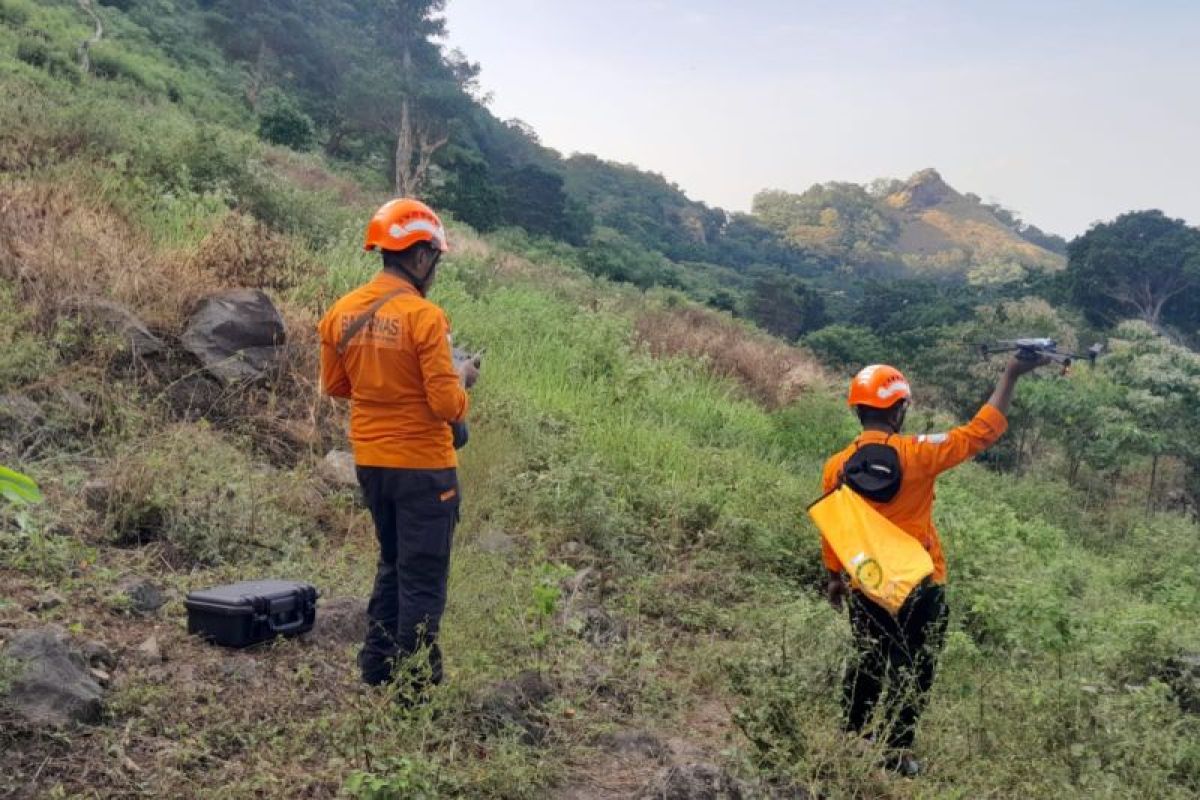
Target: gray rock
x=47, y=601
x=238, y=335
x=54, y=685
x=696, y=781
x=150, y=652
x=117, y=318
x=144, y=597
x=496, y=542
x=340, y=621
x=636, y=743
x=337, y=469
x=97, y=654
x=513, y=705
x=597, y=626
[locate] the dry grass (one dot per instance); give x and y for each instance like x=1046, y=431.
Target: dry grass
x=57, y=242
x=773, y=373
x=308, y=173
x=242, y=252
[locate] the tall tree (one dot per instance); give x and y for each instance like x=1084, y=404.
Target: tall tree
x=414, y=86
x=1143, y=264
x=786, y=306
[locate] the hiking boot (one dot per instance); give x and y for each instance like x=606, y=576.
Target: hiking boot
x=903, y=764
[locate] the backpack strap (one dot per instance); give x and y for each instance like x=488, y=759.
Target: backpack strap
x=362, y=320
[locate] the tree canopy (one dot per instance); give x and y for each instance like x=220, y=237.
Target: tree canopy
x=1143, y=264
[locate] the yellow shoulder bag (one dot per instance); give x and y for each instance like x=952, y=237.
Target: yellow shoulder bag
x=882, y=560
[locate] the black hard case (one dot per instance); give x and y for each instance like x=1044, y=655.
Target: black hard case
x=242, y=614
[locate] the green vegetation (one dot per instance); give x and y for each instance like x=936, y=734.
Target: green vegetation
x=664, y=447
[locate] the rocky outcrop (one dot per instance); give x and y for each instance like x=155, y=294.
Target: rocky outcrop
x=56, y=683
x=923, y=190
x=238, y=335
x=337, y=470
x=118, y=319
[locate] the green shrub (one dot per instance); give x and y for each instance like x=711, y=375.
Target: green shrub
x=284, y=123
x=845, y=346
x=24, y=356
x=201, y=497
x=34, y=52
x=15, y=12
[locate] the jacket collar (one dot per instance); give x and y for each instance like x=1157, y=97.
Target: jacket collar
x=389, y=282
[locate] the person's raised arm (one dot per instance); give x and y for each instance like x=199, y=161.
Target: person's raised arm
x=1001, y=398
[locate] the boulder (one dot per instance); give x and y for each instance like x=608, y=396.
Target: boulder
x=340, y=621
x=238, y=335
x=150, y=651
x=54, y=684
x=337, y=470
x=696, y=781
x=143, y=596
x=118, y=319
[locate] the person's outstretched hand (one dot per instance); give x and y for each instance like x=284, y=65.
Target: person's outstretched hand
x=1020, y=366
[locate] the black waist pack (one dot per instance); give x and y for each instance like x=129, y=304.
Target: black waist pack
x=242, y=614
x=874, y=472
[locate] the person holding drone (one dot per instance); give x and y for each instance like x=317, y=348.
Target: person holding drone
x=897, y=634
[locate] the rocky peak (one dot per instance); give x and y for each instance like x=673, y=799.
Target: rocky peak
x=924, y=189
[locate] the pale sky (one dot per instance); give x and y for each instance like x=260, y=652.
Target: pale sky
x=1068, y=112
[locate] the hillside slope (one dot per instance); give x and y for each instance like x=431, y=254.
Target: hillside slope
x=634, y=586
x=922, y=224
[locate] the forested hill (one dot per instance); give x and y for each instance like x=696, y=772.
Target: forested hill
x=635, y=598
x=922, y=225
x=371, y=86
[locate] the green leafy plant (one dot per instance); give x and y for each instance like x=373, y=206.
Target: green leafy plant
x=18, y=488
x=397, y=778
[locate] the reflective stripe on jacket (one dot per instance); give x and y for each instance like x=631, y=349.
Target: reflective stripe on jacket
x=399, y=375
x=922, y=459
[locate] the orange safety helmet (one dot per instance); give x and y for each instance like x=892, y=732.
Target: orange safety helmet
x=401, y=223
x=879, y=386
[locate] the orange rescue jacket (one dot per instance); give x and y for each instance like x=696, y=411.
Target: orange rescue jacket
x=399, y=375
x=922, y=459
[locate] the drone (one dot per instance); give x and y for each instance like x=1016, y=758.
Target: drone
x=1036, y=349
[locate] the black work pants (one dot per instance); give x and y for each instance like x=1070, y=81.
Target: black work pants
x=415, y=512
x=895, y=660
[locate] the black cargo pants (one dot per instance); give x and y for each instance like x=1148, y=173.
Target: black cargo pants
x=896, y=655
x=415, y=512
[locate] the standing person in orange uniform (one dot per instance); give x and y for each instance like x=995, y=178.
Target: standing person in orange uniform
x=899, y=654
x=387, y=348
